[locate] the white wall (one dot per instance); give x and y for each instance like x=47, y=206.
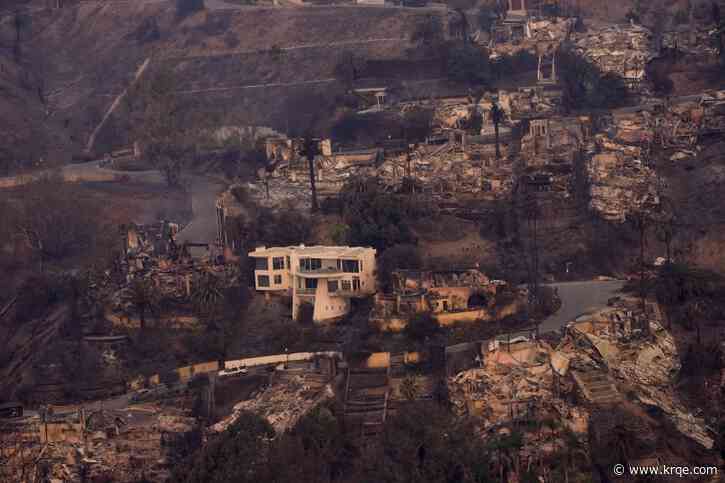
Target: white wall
x=328, y=306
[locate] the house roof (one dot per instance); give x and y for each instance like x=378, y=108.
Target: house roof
x=316, y=251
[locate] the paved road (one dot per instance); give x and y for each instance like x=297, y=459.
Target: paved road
x=203, y=225
x=578, y=298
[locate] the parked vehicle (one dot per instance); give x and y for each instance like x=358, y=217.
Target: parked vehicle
x=233, y=372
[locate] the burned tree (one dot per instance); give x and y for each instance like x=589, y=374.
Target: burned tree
x=163, y=126
x=310, y=150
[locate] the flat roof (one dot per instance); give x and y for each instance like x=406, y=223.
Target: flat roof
x=317, y=251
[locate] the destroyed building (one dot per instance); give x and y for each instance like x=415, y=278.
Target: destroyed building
x=603, y=359
x=623, y=50
x=153, y=258
x=621, y=174
x=97, y=443
x=320, y=279
x=294, y=389
x=450, y=296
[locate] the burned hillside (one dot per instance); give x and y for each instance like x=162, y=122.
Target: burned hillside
x=346, y=241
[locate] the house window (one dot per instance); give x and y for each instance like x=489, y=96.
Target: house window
x=332, y=286
x=310, y=283
x=288, y=263
x=346, y=285
x=278, y=279
x=351, y=266
x=356, y=284
x=263, y=280
x=278, y=263
x=261, y=264
x=308, y=264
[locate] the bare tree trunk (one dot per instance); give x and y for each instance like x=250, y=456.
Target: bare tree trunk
x=313, y=188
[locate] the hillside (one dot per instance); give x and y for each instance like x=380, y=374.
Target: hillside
x=78, y=59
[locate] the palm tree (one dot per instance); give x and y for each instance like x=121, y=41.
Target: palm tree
x=207, y=294
x=310, y=150
x=409, y=387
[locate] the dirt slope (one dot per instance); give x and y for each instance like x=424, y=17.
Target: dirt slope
x=83, y=57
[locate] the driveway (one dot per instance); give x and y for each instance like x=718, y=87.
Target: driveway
x=203, y=226
x=579, y=298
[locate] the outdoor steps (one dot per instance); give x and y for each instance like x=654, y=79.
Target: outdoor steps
x=371, y=429
x=397, y=365
x=315, y=378
x=366, y=401
x=598, y=387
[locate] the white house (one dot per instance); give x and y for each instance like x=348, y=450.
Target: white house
x=321, y=279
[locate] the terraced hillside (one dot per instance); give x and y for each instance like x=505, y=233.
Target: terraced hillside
x=81, y=58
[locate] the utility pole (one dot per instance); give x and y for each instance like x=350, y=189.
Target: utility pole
x=531, y=208
x=641, y=221
x=496, y=117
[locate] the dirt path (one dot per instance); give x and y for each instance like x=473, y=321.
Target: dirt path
x=116, y=102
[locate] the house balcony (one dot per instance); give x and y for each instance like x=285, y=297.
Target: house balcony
x=347, y=293
x=326, y=272
x=306, y=292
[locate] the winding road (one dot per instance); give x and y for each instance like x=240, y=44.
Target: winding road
x=579, y=298
x=203, y=190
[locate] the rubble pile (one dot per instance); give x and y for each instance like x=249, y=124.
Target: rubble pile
x=437, y=169
x=550, y=29
x=518, y=375
x=699, y=42
x=125, y=445
x=619, y=185
x=601, y=357
x=640, y=354
x=454, y=116
x=620, y=180
x=555, y=140
x=169, y=269
x=621, y=177
x=514, y=34
x=515, y=386
x=282, y=403
x=624, y=50
x=530, y=102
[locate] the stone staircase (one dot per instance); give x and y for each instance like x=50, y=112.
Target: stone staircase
x=597, y=387
x=367, y=393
